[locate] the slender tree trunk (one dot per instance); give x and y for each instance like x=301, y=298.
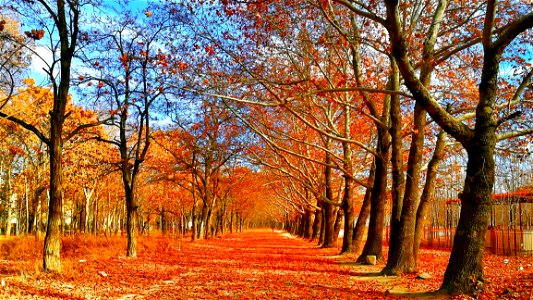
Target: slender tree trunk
x=26, y=196
x=194, y=218
x=95, y=215
x=231, y=221
x=427, y=193
x=8, y=192
x=348, y=200
x=9, y=208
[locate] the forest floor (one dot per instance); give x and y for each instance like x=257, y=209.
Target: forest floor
x=254, y=264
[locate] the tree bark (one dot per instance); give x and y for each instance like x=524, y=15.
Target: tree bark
x=330, y=210
x=398, y=178
x=364, y=213
x=401, y=258
x=464, y=273
x=349, y=217
x=131, y=216
x=52, y=240
x=317, y=224
x=427, y=193
x=378, y=198
x=67, y=40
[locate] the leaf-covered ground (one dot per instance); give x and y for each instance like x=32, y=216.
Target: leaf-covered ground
x=254, y=264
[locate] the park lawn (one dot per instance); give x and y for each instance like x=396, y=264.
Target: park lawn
x=254, y=264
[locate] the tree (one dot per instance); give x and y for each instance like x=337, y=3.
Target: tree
x=14, y=56
x=60, y=20
x=126, y=81
x=465, y=270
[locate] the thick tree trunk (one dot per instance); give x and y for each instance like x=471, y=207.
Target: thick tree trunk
x=322, y=235
x=349, y=217
x=330, y=217
x=208, y=220
x=317, y=224
x=364, y=213
x=378, y=197
x=131, y=223
x=52, y=240
x=398, y=178
x=67, y=30
x=401, y=258
x=201, y=223
x=308, y=224
x=464, y=273
x=330, y=210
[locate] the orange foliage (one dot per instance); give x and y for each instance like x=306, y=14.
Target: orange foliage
x=256, y=264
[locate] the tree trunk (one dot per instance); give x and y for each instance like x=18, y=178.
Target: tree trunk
x=26, y=196
x=207, y=222
x=317, y=224
x=349, y=217
x=201, y=224
x=347, y=200
x=427, y=193
x=364, y=212
x=398, y=178
x=131, y=226
x=8, y=192
x=378, y=198
x=330, y=210
x=194, y=218
x=322, y=235
x=52, y=240
x=401, y=258
x=231, y=221
x=330, y=217
x=10, y=200
x=309, y=219
x=464, y=273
